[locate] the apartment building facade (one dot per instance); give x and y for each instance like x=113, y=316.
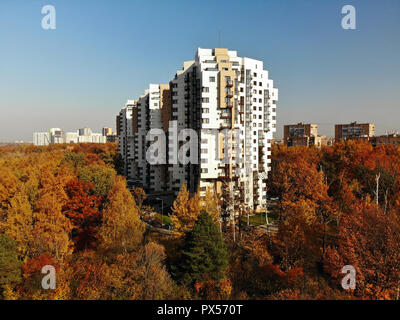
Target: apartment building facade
x=354, y=130
x=124, y=124
x=303, y=135
x=388, y=139
x=230, y=103
x=41, y=138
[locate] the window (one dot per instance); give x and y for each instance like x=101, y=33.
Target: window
x=204, y=160
x=254, y=116
x=260, y=83
x=255, y=83
x=259, y=117
x=260, y=91
x=174, y=85
x=206, y=110
x=205, y=100
x=255, y=74
x=206, y=89
x=204, y=170
x=174, y=93
x=212, y=79
x=203, y=151
x=241, y=89
x=174, y=101
x=205, y=120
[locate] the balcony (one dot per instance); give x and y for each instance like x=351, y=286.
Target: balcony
x=225, y=125
x=229, y=104
x=229, y=83
x=229, y=93
x=226, y=115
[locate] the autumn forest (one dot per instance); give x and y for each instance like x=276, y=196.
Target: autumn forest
x=69, y=206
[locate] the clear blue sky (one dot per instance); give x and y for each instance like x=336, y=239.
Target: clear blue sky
x=104, y=52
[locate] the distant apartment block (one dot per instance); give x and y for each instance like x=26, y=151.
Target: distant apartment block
x=106, y=131
x=230, y=102
x=388, y=139
x=109, y=134
x=57, y=135
x=41, y=138
x=303, y=135
x=354, y=130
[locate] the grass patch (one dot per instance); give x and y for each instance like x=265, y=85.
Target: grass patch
x=166, y=219
x=259, y=219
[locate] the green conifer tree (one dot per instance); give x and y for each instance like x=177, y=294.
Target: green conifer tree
x=205, y=255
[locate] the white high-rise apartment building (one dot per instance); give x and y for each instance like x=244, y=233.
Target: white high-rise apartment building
x=230, y=102
x=41, y=138
x=125, y=134
x=134, y=122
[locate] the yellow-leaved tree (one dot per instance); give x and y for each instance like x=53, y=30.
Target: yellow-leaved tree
x=211, y=204
x=122, y=230
x=19, y=223
x=52, y=229
x=186, y=209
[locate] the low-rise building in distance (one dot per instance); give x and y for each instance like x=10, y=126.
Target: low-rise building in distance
x=354, y=130
x=57, y=135
x=303, y=135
